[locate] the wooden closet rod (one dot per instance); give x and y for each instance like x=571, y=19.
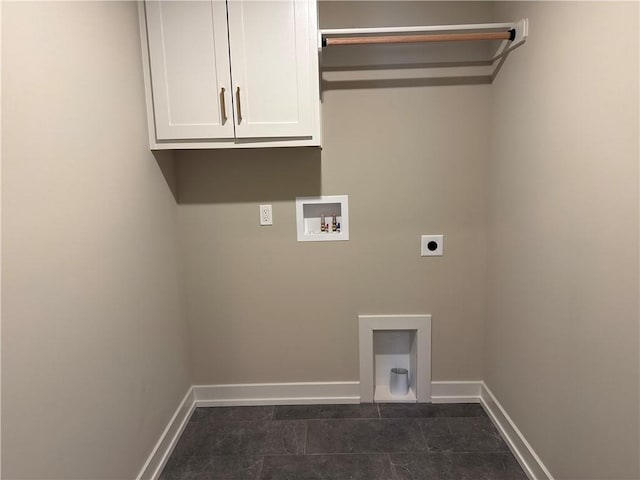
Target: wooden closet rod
x=443, y=37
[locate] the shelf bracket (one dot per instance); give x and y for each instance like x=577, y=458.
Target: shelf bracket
x=521, y=28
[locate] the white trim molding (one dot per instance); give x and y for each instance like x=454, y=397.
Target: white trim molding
x=420, y=351
x=169, y=438
x=301, y=393
x=456, y=391
x=520, y=447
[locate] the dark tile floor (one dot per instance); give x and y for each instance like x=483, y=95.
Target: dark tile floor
x=342, y=442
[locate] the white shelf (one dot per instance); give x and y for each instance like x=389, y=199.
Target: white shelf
x=450, y=65
x=479, y=27
x=382, y=394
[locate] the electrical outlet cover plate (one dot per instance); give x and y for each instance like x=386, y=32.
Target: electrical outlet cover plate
x=266, y=215
x=432, y=245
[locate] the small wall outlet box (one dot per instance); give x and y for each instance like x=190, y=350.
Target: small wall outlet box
x=266, y=215
x=432, y=245
x=322, y=219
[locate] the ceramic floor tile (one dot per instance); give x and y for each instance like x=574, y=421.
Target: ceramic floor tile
x=480, y=432
x=456, y=466
x=257, y=438
x=431, y=427
x=429, y=410
x=209, y=468
x=473, y=434
x=364, y=436
x=232, y=414
x=194, y=441
x=341, y=442
x=293, y=412
x=327, y=467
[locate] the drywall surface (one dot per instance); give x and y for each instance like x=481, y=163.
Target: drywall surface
x=562, y=327
x=94, y=344
x=412, y=158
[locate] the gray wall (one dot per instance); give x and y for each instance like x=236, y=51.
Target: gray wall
x=562, y=328
x=94, y=344
x=413, y=160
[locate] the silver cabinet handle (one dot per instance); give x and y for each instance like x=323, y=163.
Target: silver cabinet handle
x=238, y=102
x=223, y=106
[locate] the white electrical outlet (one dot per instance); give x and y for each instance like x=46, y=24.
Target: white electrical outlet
x=266, y=215
x=432, y=245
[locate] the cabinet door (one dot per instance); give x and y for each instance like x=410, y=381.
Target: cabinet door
x=271, y=67
x=190, y=76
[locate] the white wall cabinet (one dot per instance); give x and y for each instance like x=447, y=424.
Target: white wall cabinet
x=240, y=73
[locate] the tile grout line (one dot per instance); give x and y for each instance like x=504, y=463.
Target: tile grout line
x=424, y=437
x=259, y=469
x=261, y=466
x=306, y=435
x=449, y=426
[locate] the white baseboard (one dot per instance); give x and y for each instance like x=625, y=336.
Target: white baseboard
x=456, y=392
x=167, y=442
x=521, y=449
x=317, y=393
x=276, y=394
x=334, y=393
